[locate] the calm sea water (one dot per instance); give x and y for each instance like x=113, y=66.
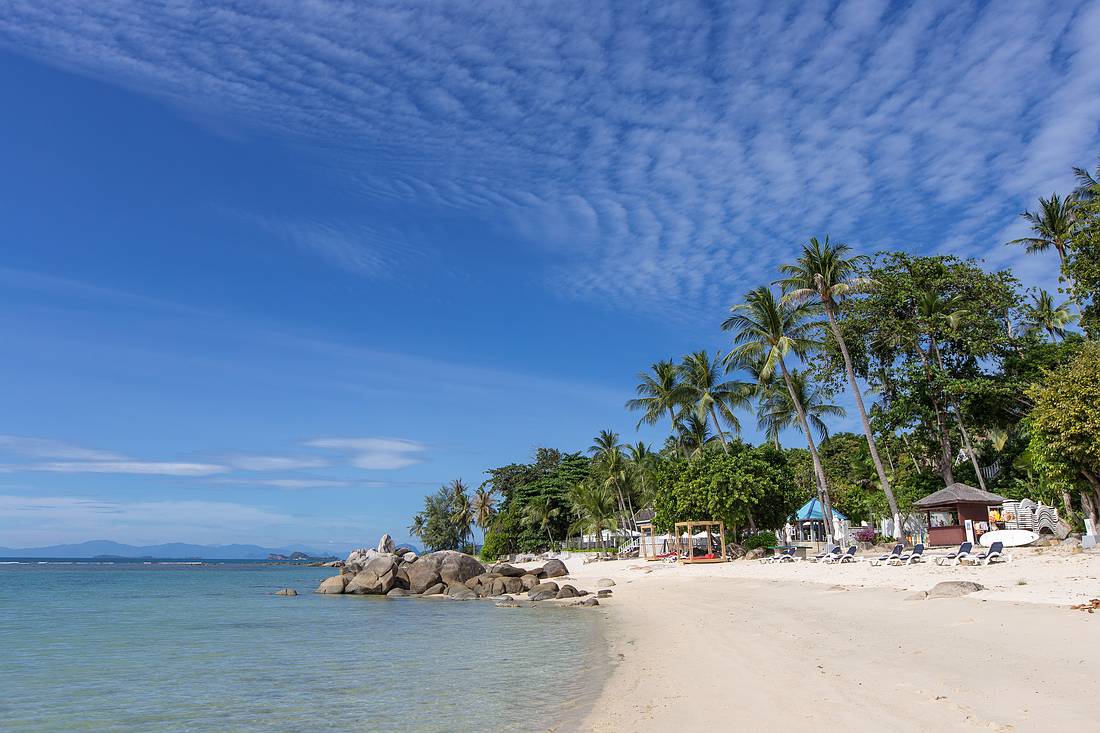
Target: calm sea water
x=151, y=648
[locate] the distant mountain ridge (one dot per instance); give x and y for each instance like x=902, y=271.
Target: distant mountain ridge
x=167, y=551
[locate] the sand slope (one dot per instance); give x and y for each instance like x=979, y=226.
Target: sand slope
x=747, y=644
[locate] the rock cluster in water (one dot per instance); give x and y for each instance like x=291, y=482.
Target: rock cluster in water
x=392, y=571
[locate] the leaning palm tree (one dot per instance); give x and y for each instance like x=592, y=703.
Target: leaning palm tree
x=484, y=506
x=1044, y=315
x=777, y=411
x=710, y=395
x=766, y=330
x=540, y=514
x=1088, y=184
x=659, y=393
x=828, y=273
x=1052, y=226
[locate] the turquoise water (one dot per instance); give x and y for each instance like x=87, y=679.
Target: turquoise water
x=153, y=648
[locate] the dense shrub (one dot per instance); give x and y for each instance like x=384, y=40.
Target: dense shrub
x=864, y=534
x=761, y=540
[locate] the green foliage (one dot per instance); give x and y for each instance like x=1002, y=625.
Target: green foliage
x=444, y=524
x=727, y=487
x=1065, y=423
x=760, y=540
x=1082, y=266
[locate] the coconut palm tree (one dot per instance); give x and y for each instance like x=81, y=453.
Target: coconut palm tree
x=828, y=273
x=462, y=510
x=765, y=330
x=706, y=391
x=659, y=393
x=643, y=469
x=692, y=433
x=1044, y=315
x=595, y=508
x=540, y=514
x=1052, y=226
x=1088, y=184
x=609, y=462
x=484, y=506
x=777, y=411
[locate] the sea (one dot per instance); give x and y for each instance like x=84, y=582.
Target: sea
x=170, y=646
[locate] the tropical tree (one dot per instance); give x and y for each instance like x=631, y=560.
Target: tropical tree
x=777, y=412
x=692, y=433
x=484, y=505
x=1052, y=226
x=594, y=505
x=611, y=467
x=1088, y=184
x=829, y=273
x=541, y=514
x=462, y=510
x=766, y=330
x=659, y=394
x=1044, y=315
x=710, y=395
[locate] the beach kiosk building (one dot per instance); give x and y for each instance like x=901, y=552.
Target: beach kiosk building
x=809, y=522
x=948, y=509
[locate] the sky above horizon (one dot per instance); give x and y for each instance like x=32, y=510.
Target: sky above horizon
x=273, y=271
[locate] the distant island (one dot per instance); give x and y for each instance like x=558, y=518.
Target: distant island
x=106, y=549
x=300, y=556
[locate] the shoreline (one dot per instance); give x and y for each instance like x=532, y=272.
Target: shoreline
x=775, y=645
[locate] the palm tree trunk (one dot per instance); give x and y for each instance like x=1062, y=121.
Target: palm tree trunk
x=718, y=427
x=969, y=448
x=819, y=471
x=891, y=501
x=683, y=448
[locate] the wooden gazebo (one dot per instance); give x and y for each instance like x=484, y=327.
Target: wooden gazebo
x=647, y=540
x=947, y=510
x=710, y=528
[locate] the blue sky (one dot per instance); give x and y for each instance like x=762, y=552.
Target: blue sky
x=272, y=271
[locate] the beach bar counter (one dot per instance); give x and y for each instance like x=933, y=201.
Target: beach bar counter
x=948, y=509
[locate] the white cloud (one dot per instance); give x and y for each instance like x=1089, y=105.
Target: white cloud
x=147, y=468
x=662, y=156
x=375, y=453
x=274, y=463
x=289, y=483
x=46, y=448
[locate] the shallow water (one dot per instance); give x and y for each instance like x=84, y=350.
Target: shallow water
x=154, y=648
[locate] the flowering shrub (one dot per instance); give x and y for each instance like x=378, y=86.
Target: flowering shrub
x=864, y=534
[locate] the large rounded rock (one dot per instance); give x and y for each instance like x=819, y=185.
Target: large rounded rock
x=555, y=569
x=457, y=567
x=422, y=575
x=605, y=583
x=381, y=565
x=461, y=593
x=528, y=581
x=954, y=588
x=363, y=583
x=567, y=591
x=512, y=584
x=361, y=557
x=542, y=595
x=335, y=584
x=543, y=588
x=409, y=557
x=509, y=571
x=397, y=593
x=386, y=544
x=434, y=590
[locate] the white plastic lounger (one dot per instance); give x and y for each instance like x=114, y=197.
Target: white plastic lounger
x=954, y=558
x=786, y=556
x=849, y=556
x=914, y=557
x=995, y=553
x=831, y=551
x=895, y=554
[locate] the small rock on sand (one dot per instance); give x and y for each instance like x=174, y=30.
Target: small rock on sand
x=605, y=583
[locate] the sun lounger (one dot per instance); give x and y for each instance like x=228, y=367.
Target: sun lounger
x=895, y=554
x=831, y=551
x=787, y=555
x=995, y=553
x=954, y=558
x=914, y=557
x=849, y=556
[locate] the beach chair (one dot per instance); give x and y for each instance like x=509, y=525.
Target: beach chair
x=786, y=555
x=914, y=557
x=849, y=556
x=954, y=558
x=830, y=551
x=895, y=554
x=995, y=553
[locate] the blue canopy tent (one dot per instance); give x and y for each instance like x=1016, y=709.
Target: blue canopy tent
x=809, y=521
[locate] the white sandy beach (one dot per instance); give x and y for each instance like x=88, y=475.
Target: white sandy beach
x=805, y=644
